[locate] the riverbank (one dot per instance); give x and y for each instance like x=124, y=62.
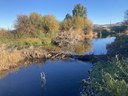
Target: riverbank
x=36, y=55
x=110, y=77
x=10, y=58
x=14, y=50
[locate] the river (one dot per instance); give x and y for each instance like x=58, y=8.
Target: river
x=62, y=77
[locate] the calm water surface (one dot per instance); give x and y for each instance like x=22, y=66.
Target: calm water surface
x=99, y=45
x=63, y=77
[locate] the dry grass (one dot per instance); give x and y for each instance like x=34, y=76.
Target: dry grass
x=9, y=59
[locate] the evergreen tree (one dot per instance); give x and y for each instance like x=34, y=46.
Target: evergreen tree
x=68, y=16
x=126, y=17
x=79, y=10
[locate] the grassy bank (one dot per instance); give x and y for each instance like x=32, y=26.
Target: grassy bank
x=21, y=40
x=110, y=78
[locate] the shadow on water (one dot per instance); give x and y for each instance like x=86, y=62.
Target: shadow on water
x=51, y=78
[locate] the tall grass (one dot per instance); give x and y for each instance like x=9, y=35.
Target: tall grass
x=9, y=59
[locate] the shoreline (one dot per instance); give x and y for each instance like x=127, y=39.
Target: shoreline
x=14, y=58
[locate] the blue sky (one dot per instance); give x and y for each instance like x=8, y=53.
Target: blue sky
x=99, y=11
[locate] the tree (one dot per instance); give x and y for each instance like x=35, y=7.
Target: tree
x=30, y=25
x=68, y=16
x=50, y=23
x=81, y=23
x=22, y=23
x=126, y=17
x=78, y=21
x=35, y=19
x=35, y=23
x=66, y=24
x=79, y=10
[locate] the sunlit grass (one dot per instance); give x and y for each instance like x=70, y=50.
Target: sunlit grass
x=8, y=59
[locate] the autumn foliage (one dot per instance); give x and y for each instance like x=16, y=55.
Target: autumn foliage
x=77, y=21
x=35, y=24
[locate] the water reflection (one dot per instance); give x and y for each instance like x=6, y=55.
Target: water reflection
x=80, y=48
x=97, y=46
x=100, y=44
x=63, y=79
x=23, y=64
x=6, y=72
x=43, y=79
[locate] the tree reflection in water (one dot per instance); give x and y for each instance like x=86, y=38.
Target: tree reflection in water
x=80, y=48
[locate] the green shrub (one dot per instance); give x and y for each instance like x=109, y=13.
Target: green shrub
x=110, y=77
x=6, y=37
x=115, y=86
x=119, y=46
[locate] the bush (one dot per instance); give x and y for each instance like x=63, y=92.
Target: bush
x=115, y=86
x=119, y=46
x=50, y=24
x=66, y=24
x=112, y=78
x=22, y=24
x=36, y=24
x=31, y=25
x=77, y=23
x=6, y=36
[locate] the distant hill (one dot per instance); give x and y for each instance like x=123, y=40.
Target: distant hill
x=108, y=25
